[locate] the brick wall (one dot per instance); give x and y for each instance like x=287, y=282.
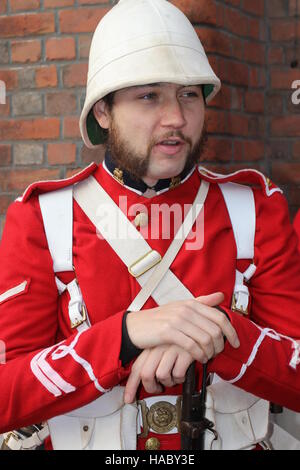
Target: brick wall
x=43, y=61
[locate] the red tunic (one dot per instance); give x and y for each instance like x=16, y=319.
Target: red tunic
x=37, y=318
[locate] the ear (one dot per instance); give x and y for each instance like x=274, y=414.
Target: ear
x=102, y=114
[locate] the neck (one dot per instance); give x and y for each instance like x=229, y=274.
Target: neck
x=150, y=181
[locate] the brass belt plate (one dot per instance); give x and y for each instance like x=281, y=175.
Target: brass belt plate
x=162, y=417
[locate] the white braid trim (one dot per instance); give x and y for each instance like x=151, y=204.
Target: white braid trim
x=264, y=332
x=63, y=351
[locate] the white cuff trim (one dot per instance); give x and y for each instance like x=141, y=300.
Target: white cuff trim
x=63, y=351
x=41, y=377
x=264, y=332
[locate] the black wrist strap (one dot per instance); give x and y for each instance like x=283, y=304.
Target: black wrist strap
x=128, y=350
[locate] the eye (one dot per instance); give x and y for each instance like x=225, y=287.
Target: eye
x=190, y=94
x=148, y=96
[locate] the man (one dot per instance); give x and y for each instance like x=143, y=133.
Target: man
x=80, y=323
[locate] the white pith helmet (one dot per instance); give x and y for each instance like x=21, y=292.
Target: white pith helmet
x=139, y=42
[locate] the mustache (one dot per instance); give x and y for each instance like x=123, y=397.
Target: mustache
x=170, y=134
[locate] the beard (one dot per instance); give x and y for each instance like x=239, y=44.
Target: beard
x=125, y=157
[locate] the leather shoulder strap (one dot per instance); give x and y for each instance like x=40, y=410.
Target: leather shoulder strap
x=57, y=212
x=240, y=204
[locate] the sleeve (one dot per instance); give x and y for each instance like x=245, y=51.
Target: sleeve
x=267, y=362
x=39, y=378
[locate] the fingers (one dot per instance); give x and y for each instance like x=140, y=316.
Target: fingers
x=161, y=366
x=212, y=299
x=187, y=337
x=173, y=366
x=219, y=319
x=150, y=380
x=134, y=378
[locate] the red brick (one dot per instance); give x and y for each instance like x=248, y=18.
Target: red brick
x=237, y=47
x=5, y=108
x=81, y=20
x=58, y=3
x=75, y=75
x=236, y=22
x=28, y=154
x=91, y=2
x=254, y=6
x=255, y=26
x=286, y=126
x=18, y=180
x=294, y=195
x=72, y=172
x=71, y=127
x=233, y=72
x=5, y=155
x=256, y=77
x=234, y=3
x=198, y=11
x=223, y=98
x=25, y=5
x=215, y=41
x=238, y=150
x=60, y=49
x=277, y=9
x=275, y=55
x=61, y=103
x=237, y=96
x=84, y=44
x=3, y=6
x=92, y=155
x=61, y=153
x=254, y=52
x=27, y=24
x=10, y=78
x=218, y=149
x=283, y=30
x=292, y=54
x=237, y=124
x=26, y=51
x=286, y=172
x=46, y=76
x=294, y=7
x=256, y=126
x=31, y=129
x=296, y=150
x=274, y=104
x=254, y=101
x=253, y=150
x=283, y=78
x=5, y=201
x=216, y=121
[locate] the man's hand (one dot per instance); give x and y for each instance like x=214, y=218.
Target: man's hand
x=193, y=325
x=161, y=366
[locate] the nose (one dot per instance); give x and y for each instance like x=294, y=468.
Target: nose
x=172, y=115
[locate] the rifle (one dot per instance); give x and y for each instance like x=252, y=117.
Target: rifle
x=193, y=424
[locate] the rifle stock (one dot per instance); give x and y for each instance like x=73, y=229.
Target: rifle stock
x=193, y=422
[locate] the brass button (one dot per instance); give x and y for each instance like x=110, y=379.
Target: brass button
x=269, y=182
x=152, y=443
x=141, y=220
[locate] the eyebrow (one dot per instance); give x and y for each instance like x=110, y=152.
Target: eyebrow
x=158, y=84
